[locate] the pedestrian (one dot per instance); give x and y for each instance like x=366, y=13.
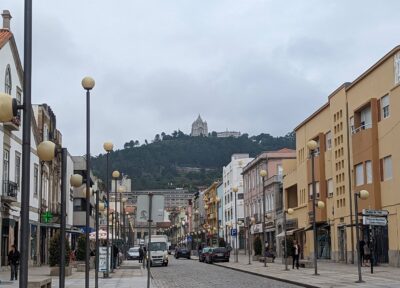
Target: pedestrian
x=115, y=256
x=13, y=261
x=361, y=249
x=295, y=254
x=140, y=255
x=367, y=254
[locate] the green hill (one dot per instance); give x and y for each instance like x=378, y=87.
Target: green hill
x=179, y=160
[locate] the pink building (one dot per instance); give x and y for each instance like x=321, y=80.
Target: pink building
x=271, y=161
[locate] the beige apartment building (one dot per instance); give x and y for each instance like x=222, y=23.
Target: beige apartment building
x=357, y=132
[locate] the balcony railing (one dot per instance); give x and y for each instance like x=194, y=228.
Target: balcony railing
x=362, y=127
x=10, y=188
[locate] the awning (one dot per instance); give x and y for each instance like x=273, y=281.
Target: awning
x=289, y=232
x=319, y=224
x=57, y=226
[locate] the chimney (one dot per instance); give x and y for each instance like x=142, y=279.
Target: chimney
x=6, y=19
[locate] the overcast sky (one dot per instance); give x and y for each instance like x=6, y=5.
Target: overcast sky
x=246, y=65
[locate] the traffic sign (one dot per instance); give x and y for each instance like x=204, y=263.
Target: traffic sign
x=234, y=232
x=374, y=221
x=189, y=238
x=376, y=213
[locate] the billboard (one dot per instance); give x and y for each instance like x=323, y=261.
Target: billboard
x=157, y=211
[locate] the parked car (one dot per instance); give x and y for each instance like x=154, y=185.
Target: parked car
x=204, y=253
x=220, y=254
x=182, y=252
x=133, y=253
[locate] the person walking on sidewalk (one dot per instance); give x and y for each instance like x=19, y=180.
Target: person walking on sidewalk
x=13, y=261
x=367, y=254
x=361, y=249
x=140, y=255
x=295, y=254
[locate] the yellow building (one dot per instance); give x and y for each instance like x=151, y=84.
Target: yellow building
x=211, y=199
x=357, y=133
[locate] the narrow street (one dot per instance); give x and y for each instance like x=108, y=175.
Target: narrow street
x=183, y=273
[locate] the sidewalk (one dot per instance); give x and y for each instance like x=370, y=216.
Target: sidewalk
x=121, y=278
x=331, y=274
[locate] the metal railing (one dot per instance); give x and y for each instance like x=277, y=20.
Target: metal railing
x=362, y=127
x=10, y=189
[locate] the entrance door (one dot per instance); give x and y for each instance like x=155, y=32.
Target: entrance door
x=381, y=244
x=342, y=243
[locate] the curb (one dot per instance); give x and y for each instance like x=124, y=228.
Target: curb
x=269, y=277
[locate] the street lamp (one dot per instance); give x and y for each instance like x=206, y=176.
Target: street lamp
x=235, y=190
x=108, y=147
x=289, y=211
x=363, y=194
x=47, y=151
x=263, y=174
x=111, y=217
x=99, y=207
x=87, y=84
x=312, y=145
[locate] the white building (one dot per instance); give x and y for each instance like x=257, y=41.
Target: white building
x=226, y=134
x=232, y=178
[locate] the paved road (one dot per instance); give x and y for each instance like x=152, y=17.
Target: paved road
x=183, y=273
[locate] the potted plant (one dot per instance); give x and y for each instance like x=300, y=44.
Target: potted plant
x=81, y=253
x=257, y=244
x=55, y=256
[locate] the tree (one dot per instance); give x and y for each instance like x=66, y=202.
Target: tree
x=157, y=138
x=55, y=252
x=81, y=251
x=214, y=134
x=136, y=143
x=145, y=141
x=257, y=246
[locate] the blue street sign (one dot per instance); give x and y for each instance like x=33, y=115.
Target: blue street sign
x=189, y=238
x=233, y=232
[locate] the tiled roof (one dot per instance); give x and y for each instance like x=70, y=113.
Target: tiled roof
x=5, y=35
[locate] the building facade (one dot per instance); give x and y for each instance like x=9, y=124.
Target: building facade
x=254, y=187
x=233, y=179
x=356, y=132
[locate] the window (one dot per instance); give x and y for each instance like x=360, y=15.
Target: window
x=8, y=83
x=280, y=170
x=310, y=189
x=368, y=169
x=45, y=132
x=385, y=112
x=352, y=124
x=328, y=141
x=387, y=168
x=366, y=120
x=359, y=174
x=329, y=184
x=17, y=169
x=6, y=165
x=35, y=179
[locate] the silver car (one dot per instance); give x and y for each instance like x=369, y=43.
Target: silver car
x=133, y=253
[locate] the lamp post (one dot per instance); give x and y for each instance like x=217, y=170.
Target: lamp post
x=363, y=194
x=112, y=240
x=108, y=147
x=8, y=109
x=115, y=175
x=87, y=84
x=235, y=190
x=217, y=201
x=312, y=146
x=47, y=151
x=99, y=207
x=289, y=212
x=124, y=225
x=263, y=174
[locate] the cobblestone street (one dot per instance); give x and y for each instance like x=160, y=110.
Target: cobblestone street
x=183, y=273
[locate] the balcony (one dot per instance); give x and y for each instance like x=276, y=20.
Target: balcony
x=10, y=190
x=273, y=179
x=363, y=126
x=14, y=124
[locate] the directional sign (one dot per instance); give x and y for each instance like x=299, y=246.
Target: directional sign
x=376, y=213
x=234, y=232
x=374, y=221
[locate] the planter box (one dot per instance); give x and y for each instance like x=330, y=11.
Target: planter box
x=55, y=271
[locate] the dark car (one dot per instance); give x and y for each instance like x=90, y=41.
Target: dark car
x=182, y=252
x=203, y=253
x=220, y=254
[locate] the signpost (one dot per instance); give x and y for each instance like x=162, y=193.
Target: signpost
x=47, y=217
x=374, y=221
x=103, y=258
x=376, y=213
x=233, y=232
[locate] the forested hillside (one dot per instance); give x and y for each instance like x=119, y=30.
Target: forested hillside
x=178, y=160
